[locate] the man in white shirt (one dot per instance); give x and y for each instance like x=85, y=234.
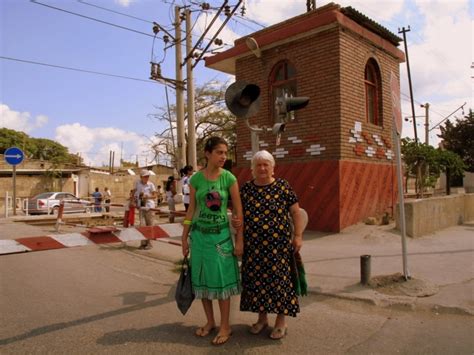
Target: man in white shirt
x=145, y=196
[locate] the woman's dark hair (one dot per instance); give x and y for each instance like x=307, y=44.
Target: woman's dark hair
x=213, y=142
x=184, y=171
x=169, y=183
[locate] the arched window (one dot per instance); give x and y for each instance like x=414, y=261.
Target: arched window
x=282, y=81
x=373, y=109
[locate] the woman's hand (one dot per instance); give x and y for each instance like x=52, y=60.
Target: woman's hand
x=236, y=222
x=185, y=246
x=297, y=243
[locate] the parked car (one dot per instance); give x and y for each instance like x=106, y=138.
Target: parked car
x=48, y=202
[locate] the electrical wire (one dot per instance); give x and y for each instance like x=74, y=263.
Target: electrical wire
x=76, y=69
x=91, y=18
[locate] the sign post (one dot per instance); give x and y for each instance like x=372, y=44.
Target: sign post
x=397, y=131
x=13, y=156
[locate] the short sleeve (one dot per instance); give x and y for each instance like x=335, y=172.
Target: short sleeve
x=291, y=197
x=229, y=178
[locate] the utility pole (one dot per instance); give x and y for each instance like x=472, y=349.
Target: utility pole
x=404, y=31
x=179, y=91
x=427, y=122
x=192, y=155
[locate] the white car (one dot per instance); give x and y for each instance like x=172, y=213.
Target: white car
x=48, y=202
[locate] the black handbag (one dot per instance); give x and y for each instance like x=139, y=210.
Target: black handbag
x=184, y=295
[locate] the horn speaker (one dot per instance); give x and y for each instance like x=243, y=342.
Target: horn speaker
x=243, y=99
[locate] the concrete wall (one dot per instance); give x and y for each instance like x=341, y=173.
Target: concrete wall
x=468, y=182
x=425, y=216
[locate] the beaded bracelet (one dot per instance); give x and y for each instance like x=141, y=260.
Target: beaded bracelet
x=187, y=222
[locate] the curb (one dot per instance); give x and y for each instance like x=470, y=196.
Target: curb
x=403, y=303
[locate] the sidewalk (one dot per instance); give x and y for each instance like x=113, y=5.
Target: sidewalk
x=441, y=265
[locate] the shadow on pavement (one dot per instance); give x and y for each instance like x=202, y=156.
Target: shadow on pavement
x=177, y=333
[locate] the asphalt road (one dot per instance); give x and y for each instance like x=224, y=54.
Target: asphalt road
x=110, y=299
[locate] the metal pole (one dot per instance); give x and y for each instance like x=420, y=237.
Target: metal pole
x=179, y=91
x=404, y=31
x=427, y=122
x=6, y=204
x=192, y=157
x=14, y=190
x=401, y=201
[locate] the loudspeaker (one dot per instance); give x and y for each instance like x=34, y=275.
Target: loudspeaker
x=243, y=99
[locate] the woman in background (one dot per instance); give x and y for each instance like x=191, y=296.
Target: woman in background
x=170, y=191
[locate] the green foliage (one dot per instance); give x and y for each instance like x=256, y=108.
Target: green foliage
x=458, y=137
x=36, y=148
x=449, y=161
x=426, y=163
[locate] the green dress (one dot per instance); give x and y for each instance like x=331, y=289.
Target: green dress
x=214, y=268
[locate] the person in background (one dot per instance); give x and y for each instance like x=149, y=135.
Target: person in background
x=186, y=174
x=214, y=268
x=170, y=189
x=159, y=194
x=108, y=197
x=267, y=287
x=145, y=196
x=97, y=195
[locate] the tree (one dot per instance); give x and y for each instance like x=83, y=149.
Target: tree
x=420, y=160
x=37, y=148
x=451, y=164
x=459, y=138
x=426, y=163
x=212, y=118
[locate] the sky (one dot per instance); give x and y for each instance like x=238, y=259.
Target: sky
x=93, y=114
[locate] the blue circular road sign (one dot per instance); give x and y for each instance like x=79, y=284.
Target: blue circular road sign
x=14, y=156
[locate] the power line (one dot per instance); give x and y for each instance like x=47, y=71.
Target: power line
x=91, y=18
x=75, y=69
x=113, y=11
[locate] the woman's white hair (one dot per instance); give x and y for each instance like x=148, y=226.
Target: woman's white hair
x=262, y=155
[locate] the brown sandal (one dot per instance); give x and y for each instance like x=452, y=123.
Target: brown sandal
x=279, y=333
x=221, y=339
x=257, y=328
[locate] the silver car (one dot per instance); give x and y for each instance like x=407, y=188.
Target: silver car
x=48, y=202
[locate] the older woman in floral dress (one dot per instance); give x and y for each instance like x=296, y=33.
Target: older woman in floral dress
x=268, y=204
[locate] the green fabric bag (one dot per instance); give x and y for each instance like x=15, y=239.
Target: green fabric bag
x=299, y=275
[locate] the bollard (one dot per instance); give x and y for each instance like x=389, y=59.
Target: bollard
x=364, y=269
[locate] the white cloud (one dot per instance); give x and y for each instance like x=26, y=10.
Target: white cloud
x=124, y=3
x=94, y=144
x=20, y=121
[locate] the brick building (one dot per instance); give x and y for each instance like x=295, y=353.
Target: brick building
x=337, y=153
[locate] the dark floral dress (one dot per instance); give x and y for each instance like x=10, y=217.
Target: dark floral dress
x=266, y=263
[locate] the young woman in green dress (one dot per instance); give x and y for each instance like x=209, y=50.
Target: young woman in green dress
x=214, y=268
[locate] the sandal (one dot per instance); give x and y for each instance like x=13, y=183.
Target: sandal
x=279, y=333
x=257, y=328
x=203, y=332
x=221, y=339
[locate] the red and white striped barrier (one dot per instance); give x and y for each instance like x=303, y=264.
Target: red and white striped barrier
x=92, y=236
